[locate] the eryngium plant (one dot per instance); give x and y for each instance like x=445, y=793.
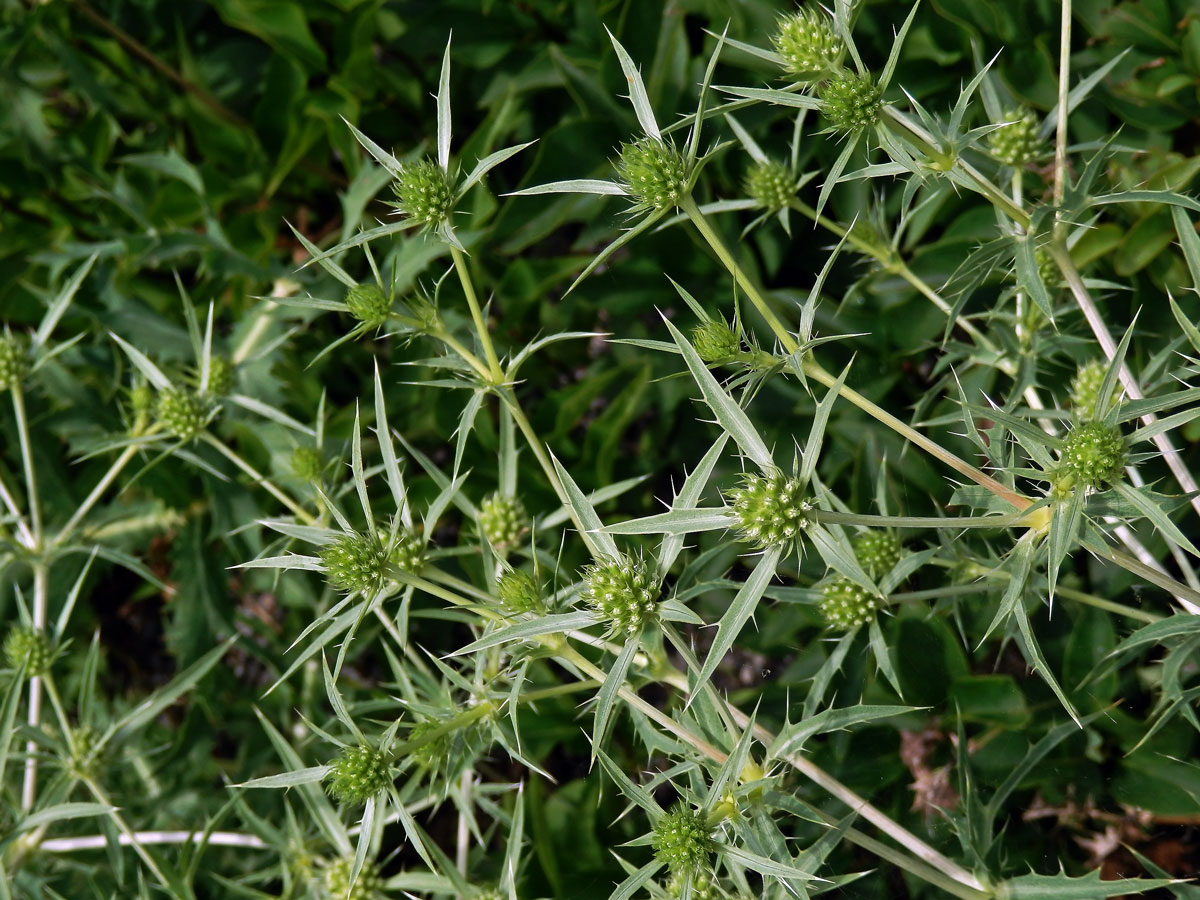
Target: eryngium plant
x=866, y=671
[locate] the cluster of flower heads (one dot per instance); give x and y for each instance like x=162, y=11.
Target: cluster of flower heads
x=361, y=561
x=654, y=173
x=623, y=591
x=771, y=509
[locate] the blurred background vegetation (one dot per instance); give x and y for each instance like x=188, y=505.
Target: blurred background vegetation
x=182, y=137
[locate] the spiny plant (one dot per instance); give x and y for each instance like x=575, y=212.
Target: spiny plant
x=457, y=599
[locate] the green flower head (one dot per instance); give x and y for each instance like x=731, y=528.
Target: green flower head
x=808, y=44
x=307, y=464
x=358, y=774
x=368, y=885
x=770, y=185
x=519, y=592
x=851, y=102
x=1016, y=143
x=1095, y=454
x=356, y=562
x=503, y=520
x=424, y=192
x=682, y=840
x=14, y=360
x=845, y=603
x=368, y=304
x=877, y=551
x=623, y=591
x=715, y=341
x=183, y=413
x=654, y=173
x=1085, y=389
x=32, y=648
x=770, y=509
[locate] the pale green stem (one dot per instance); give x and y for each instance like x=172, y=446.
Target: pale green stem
x=468, y=357
x=101, y=486
x=130, y=834
x=259, y=479
x=15, y=511
x=40, y=602
x=35, y=506
x=1064, y=84
x=261, y=322
x=841, y=518
x=485, y=338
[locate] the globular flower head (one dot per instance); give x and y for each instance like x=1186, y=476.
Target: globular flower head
x=425, y=192
x=703, y=884
x=654, y=173
x=368, y=885
x=622, y=590
x=845, y=603
x=1016, y=143
x=1095, y=453
x=1085, y=389
x=14, y=360
x=715, y=341
x=141, y=399
x=682, y=840
x=407, y=553
x=356, y=562
x=770, y=509
x=808, y=44
x=83, y=749
x=369, y=304
x=29, y=647
x=358, y=774
x=183, y=413
x=770, y=184
x=851, y=102
x=877, y=551
x=503, y=520
x=519, y=592
x=307, y=464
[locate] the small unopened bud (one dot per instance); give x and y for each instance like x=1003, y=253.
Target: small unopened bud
x=183, y=413
x=715, y=341
x=368, y=304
